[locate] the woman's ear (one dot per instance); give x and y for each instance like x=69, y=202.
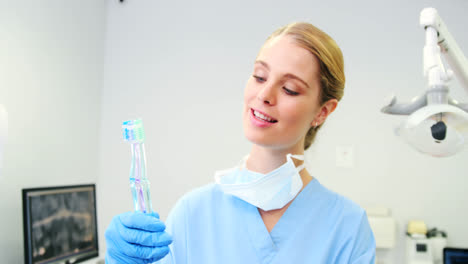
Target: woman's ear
x=325, y=110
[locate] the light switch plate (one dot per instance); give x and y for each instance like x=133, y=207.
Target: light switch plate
x=345, y=156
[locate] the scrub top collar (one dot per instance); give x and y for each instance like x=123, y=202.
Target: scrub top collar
x=266, y=244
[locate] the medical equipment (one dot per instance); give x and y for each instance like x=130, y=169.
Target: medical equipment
x=134, y=134
x=438, y=241
x=418, y=250
x=60, y=224
x=383, y=226
x=418, y=247
x=455, y=255
x=437, y=124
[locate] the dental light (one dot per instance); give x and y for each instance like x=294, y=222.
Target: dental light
x=437, y=124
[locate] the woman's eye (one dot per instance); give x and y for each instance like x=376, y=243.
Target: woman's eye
x=290, y=92
x=259, y=79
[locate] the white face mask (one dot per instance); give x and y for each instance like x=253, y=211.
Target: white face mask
x=266, y=191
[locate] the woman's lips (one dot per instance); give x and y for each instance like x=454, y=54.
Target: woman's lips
x=261, y=119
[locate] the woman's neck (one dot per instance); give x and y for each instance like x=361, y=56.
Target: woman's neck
x=264, y=160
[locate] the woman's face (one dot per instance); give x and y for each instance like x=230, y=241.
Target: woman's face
x=281, y=97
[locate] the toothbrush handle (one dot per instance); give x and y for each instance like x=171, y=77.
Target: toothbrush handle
x=139, y=184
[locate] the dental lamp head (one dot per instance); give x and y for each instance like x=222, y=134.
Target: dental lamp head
x=437, y=124
x=438, y=130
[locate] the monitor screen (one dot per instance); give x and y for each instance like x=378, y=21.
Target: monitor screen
x=60, y=224
x=455, y=256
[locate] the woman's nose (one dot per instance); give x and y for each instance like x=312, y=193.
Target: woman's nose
x=267, y=94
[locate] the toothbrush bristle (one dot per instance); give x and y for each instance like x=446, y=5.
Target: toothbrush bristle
x=133, y=130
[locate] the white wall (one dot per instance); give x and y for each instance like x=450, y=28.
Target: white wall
x=51, y=68
x=182, y=68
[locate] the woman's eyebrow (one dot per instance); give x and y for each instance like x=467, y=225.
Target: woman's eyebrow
x=262, y=63
x=292, y=76
x=288, y=75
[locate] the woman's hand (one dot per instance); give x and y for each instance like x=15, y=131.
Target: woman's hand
x=135, y=237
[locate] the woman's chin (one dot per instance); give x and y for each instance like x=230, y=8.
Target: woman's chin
x=260, y=140
x=274, y=144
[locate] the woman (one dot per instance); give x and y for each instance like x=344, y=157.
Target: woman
x=269, y=209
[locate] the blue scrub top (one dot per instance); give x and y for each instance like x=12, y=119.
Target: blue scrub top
x=320, y=226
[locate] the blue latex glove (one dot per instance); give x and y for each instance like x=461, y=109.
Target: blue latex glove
x=135, y=237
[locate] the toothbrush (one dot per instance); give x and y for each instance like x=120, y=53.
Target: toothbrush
x=134, y=134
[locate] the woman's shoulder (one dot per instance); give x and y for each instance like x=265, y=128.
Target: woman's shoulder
x=202, y=193
x=203, y=196
x=341, y=204
x=348, y=220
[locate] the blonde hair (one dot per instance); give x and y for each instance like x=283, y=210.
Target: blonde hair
x=330, y=57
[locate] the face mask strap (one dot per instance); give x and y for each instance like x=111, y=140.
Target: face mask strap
x=243, y=162
x=300, y=167
x=298, y=157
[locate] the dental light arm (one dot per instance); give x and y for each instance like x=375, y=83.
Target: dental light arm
x=438, y=124
x=395, y=108
x=437, y=34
